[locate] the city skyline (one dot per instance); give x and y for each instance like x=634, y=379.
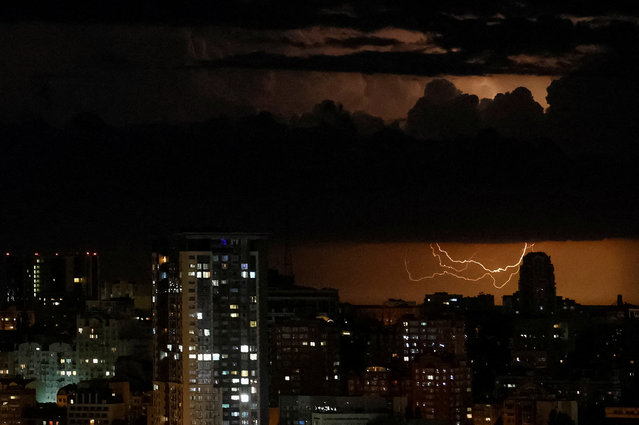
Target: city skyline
x=373, y=172
x=208, y=341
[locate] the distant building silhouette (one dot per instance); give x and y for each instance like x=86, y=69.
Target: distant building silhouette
x=537, y=291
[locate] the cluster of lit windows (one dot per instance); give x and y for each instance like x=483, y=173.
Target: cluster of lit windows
x=36, y=277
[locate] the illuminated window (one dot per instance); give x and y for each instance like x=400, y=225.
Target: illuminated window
x=253, y=323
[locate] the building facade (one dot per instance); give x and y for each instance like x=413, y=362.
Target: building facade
x=209, y=291
x=537, y=290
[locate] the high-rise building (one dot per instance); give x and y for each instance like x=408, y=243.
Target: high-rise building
x=209, y=291
x=47, y=277
x=537, y=292
x=52, y=277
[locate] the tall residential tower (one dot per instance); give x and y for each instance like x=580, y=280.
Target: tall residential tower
x=209, y=291
x=537, y=289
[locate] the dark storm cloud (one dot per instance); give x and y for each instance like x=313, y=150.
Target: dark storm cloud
x=325, y=177
x=279, y=14
x=544, y=45
x=355, y=42
x=366, y=62
x=514, y=114
x=444, y=112
x=502, y=28
x=333, y=174
x=595, y=108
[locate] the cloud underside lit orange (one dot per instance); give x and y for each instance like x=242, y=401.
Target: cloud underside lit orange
x=384, y=95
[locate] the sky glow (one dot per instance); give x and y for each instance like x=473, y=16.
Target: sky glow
x=591, y=272
x=478, y=271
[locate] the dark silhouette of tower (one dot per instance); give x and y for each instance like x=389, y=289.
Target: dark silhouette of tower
x=537, y=290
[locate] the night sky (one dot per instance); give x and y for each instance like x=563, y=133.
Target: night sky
x=356, y=132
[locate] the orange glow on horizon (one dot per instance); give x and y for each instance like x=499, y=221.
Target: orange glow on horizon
x=485, y=272
x=591, y=272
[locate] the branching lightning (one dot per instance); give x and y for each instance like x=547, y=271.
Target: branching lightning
x=461, y=269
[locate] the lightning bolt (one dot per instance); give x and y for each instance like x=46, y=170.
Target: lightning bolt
x=459, y=268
